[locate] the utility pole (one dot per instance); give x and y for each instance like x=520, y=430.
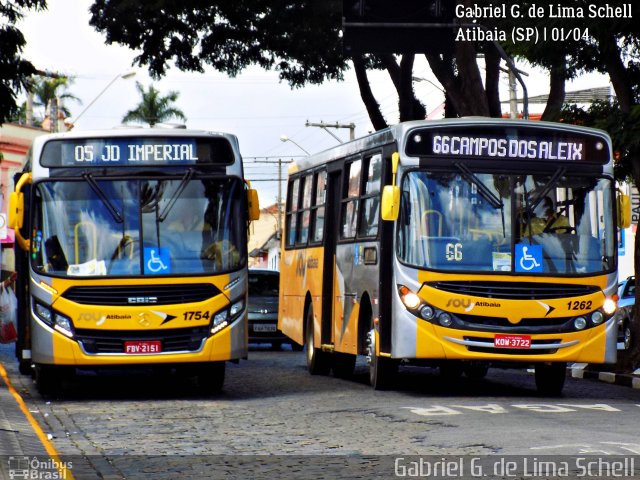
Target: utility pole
x=280, y=163
x=326, y=126
x=513, y=96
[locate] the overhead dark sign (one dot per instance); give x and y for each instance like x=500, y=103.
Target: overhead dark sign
x=508, y=143
x=404, y=26
x=136, y=151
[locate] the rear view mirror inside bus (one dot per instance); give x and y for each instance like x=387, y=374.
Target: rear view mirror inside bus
x=390, y=202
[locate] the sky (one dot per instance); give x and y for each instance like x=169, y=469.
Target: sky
x=255, y=106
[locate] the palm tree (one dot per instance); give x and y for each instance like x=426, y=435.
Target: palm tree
x=154, y=107
x=46, y=90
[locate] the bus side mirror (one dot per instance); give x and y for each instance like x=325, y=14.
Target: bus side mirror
x=253, y=204
x=390, y=203
x=624, y=210
x=16, y=210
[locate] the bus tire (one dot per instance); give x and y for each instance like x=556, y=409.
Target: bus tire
x=476, y=370
x=382, y=370
x=48, y=379
x=626, y=335
x=550, y=378
x=343, y=364
x=318, y=362
x=25, y=367
x=451, y=369
x=210, y=377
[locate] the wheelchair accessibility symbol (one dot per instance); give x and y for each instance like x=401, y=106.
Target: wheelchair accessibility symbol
x=156, y=260
x=528, y=258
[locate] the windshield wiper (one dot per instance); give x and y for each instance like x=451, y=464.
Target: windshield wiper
x=471, y=177
x=535, y=201
x=487, y=194
x=186, y=178
x=115, y=213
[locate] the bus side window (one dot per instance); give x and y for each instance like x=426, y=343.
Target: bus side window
x=317, y=212
x=304, y=215
x=370, y=202
x=292, y=208
x=349, y=210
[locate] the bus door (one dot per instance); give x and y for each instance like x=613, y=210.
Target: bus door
x=332, y=231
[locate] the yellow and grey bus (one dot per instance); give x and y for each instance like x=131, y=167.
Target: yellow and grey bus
x=459, y=244
x=131, y=249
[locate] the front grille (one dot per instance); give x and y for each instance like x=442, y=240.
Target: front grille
x=514, y=291
x=112, y=341
x=141, y=294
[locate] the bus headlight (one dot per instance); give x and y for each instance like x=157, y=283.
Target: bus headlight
x=597, y=317
x=427, y=312
x=226, y=316
x=44, y=313
x=219, y=321
x=609, y=306
x=57, y=321
x=410, y=299
x=445, y=319
x=63, y=325
x=236, y=308
x=580, y=323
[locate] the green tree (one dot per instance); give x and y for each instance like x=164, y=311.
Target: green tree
x=624, y=128
x=14, y=70
x=299, y=39
x=154, y=107
x=46, y=90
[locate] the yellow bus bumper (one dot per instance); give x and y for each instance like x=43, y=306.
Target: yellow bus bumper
x=52, y=347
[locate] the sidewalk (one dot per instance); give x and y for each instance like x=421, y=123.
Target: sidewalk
x=20, y=435
x=582, y=370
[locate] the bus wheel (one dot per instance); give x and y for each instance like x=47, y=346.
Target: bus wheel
x=550, y=378
x=25, y=367
x=476, y=370
x=626, y=332
x=343, y=364
x=48, y=379
x=210, y=377
x=296, y=347
x=318, y=362
x=382, y=370
x=452, y=369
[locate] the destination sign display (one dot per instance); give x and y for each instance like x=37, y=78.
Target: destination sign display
x=136, y=151
x=508, y=143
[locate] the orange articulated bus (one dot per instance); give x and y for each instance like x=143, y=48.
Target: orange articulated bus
x=460, y=244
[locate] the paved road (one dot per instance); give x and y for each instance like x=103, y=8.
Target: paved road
x=274, y=419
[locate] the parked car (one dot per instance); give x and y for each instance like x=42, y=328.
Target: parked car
x=263, y=308
x=627, y=294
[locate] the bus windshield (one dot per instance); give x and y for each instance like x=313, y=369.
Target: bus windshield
x=114, y=227
x=549, y=223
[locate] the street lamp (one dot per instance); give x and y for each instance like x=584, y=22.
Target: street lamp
x=123, y=76
x=421, y=79
x=284, y=138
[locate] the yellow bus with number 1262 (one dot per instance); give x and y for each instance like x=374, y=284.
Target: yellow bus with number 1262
x=459, y=244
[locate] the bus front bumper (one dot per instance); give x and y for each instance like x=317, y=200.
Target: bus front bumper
x=52, y=347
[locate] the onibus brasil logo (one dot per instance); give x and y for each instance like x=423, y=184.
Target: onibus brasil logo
x=34, y=468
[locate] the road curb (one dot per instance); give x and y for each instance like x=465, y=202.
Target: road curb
x=625, y=379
